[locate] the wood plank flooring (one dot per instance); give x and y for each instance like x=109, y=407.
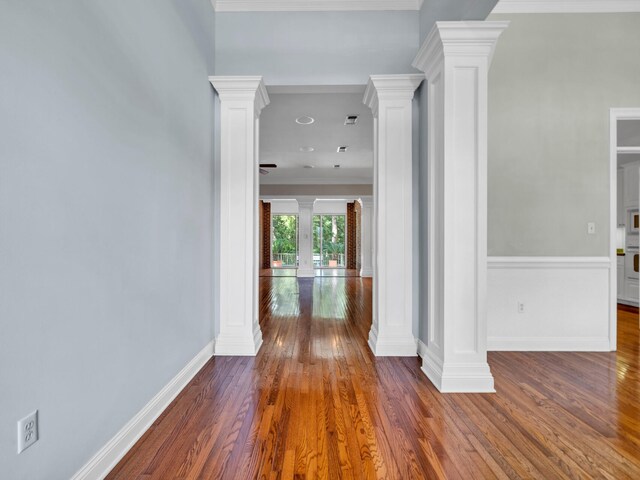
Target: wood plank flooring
x=315, y=403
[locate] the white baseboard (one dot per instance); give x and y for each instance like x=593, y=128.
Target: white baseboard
x=422, y=348
x=630, y=303
x=239, y=346
x=108, y=456
x=567, y=304
x=549, y=344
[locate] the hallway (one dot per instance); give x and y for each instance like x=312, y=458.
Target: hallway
x=316, y=403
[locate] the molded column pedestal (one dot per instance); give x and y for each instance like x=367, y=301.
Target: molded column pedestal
x=455, y=58
x=390, y=99
x=241, y=100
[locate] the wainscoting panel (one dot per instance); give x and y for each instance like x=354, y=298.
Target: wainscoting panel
x=549, y=303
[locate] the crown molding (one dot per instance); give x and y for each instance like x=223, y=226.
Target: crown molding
x=242, y=88
x=567, y=6
x=313, y=5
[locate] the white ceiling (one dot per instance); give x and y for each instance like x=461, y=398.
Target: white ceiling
x=281, y=138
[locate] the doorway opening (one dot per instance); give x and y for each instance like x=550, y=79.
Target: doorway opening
x=329, y=241
x=625, y=215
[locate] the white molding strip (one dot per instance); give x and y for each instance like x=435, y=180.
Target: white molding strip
x=548, y=262
x=548, y=344
x=567, y=6
x=314, y=5
x=422, y=348
x=108, y=456
x=550, y=303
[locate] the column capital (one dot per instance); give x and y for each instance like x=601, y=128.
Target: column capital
x=305, y=202
x=448, y=39
x=390, y=87
x=366, y=201
x=242, y=88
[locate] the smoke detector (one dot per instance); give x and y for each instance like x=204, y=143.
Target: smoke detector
x=305, y=120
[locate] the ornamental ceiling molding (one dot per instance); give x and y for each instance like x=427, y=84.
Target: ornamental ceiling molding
x=567, y=6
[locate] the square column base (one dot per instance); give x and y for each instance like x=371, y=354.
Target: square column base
x=238, y=346
x=305, y=273
x=395, y=346
x=458, y=377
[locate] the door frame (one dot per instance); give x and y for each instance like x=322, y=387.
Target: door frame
x=615, y=114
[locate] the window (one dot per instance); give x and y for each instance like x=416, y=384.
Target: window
x=329, y=241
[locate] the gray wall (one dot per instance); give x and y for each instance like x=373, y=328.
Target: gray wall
x=316, y=48
x=552, y=82
x=105, y=216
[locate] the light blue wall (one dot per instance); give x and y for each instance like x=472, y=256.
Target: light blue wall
x=105, y=216
x=446, y=10
x=319, y=48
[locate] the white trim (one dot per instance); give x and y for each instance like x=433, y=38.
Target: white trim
x=316, y=181
x=570, y=303
x=315, y=89
x=422, y=348
x=548, y=262
x=546, y=344
x=314, y=5
x=628, y=150
x=567, y=6
x=108, y=456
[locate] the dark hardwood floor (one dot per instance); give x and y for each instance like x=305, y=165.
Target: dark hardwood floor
x=316, y=403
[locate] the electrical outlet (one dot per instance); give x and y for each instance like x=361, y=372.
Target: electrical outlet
x=591, y=228
x=520, y=307
x=27, y=431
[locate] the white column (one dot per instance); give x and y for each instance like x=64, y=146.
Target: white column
x=366, y=234
x=455, y=58
x=241, y=100
x=305, y=237
x=389, y=97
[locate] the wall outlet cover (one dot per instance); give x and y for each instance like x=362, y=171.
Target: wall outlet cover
x=27, y=431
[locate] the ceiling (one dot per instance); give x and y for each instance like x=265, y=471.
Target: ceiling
x=281, y=138
x=313, y=5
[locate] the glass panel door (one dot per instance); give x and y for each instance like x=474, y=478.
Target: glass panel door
x=329, y=241
x=284, y=241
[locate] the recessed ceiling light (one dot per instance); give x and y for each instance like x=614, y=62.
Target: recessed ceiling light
x=342, y=149
x=305, y=120
x=351, y=120
x=307, y=149
x=336, y=166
